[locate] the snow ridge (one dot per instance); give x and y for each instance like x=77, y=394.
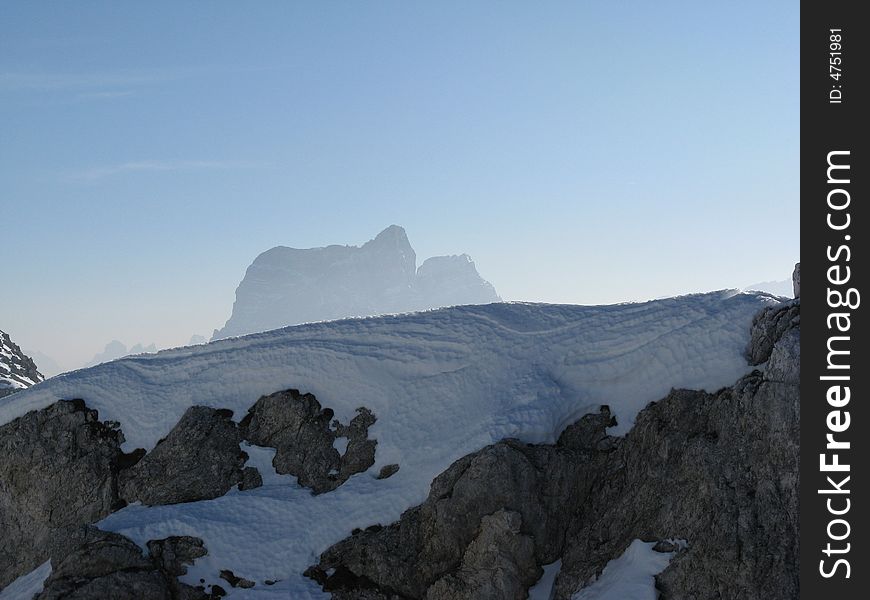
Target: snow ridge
x=442, y=384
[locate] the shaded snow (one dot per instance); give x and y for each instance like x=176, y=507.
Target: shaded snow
x=543, y=588
x=340, y=444
x=262, y=458
x=27, y=586
x=442, y=384
x=629, y=577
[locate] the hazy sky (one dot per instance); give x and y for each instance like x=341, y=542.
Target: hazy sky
x=583, y=152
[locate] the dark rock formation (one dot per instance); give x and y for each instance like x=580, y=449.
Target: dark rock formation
x=796, y=280
x=299, y=429
x=17, y=370
x=199, y=459
x=174, y=553
x=768, y=326
x=236, y=581
x=251, y=478
x=430, y=541
x=388, y=471
x=498, y=563
x=288, y=286
x=58, y=470
x=107, y=565
x=719, y=470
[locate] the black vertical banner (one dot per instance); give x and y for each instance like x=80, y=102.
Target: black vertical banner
x=835, y=373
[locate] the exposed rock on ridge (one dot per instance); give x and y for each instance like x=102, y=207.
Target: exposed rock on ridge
x=62, y=468
x=304, y=435
x=58, y=470
x=198, y=460
x=107, y=565
x=719, y=470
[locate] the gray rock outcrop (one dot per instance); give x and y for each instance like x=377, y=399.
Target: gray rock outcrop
x=499, y=563
x=718, y=470
x=107, y=565
x=768, y=326
x=62, y=468
x=796, y=280
x=303, y=435
x=199, y=459
x=535, y=482
x=58, y=470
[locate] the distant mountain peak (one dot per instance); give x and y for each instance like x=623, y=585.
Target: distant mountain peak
x=393, y=232
x=287, y=286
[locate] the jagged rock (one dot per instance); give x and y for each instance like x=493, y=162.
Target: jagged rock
x=388, y=471
x=590, y=432
x=768, y=326
x=499, y=563
x=107, y=565
x=174, y=553
x=251, y=478
x=299, y=429
x=429, y=542
x=58, y=471
x=199, y=459
x=783, y=366
x=796, y=280
x=17, y=370
x=360, y=452
x=719, y=470
x=234, y=580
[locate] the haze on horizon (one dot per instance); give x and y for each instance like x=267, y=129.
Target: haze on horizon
x=579, y=152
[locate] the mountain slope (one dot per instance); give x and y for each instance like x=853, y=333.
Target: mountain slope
x=442, y=384
x=17, y=370
x=288, y=286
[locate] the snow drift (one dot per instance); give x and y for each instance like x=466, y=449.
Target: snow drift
x=442, y=383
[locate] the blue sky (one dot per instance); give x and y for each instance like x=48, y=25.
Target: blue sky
x=583, y=152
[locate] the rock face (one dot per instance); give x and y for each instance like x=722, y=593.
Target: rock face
x=304, y=436
x=768, y=326
x=288, y=286
x=61, y=469
x=199, y=459
x=17, y=370
x=796, y=280
x=499, y=563
x=718, y=470
x=58, y=470
x=109, y=565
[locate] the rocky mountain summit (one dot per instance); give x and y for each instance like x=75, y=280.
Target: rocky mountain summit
x=287, y=286
x=17, y=370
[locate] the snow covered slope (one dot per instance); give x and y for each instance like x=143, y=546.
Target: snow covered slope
x=17, y=370
x=442, y=384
